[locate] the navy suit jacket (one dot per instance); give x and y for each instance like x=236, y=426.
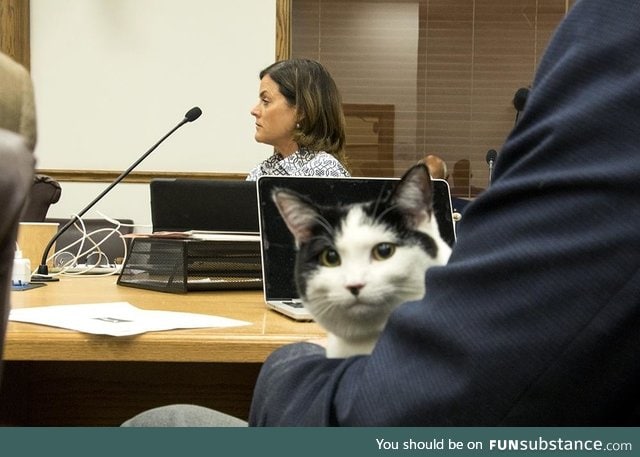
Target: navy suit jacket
x=536, y=318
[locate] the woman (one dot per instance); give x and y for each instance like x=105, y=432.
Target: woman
x=300, y=114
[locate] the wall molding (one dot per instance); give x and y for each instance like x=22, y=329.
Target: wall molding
x=96, y=176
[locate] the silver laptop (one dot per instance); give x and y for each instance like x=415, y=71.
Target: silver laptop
x=277, y=244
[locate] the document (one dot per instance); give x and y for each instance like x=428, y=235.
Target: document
x=117, y=318
x=200, y=235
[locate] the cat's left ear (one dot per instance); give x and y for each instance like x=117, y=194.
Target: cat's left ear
x=413, y=195
x=298, y=214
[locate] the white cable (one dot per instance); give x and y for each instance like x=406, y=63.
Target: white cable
x=116, y=221
x=92, y=249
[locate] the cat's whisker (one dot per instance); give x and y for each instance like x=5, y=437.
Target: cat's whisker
x=378, y=201
x=385, y=212
x=324, y=224
x=324, y=237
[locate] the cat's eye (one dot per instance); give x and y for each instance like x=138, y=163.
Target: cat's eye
x=329, y=258
x=383, y=251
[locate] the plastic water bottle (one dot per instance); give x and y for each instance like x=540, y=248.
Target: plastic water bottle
x=21, y=274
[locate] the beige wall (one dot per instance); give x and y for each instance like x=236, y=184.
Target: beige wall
x=113, y=76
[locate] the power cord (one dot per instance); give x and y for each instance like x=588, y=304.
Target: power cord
x=67, y=259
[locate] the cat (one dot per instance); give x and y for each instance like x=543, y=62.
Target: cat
x=356, y=263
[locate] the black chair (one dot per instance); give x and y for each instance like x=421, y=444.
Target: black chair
x=44, y=192
x=16, y=176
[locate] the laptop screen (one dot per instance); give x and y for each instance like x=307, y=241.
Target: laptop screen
x=203, y=204
x=278, y=246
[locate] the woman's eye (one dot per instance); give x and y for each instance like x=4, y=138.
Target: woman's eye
x=383, y=251
x=329, y=258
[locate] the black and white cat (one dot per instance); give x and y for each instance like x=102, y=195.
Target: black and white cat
x=356, y=263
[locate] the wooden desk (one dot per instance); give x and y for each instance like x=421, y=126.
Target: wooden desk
x=61, y=377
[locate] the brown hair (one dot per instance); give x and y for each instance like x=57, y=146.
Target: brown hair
x=308, y=86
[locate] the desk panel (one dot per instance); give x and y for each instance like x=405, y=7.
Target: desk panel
x=62, y=377
x=64, y=393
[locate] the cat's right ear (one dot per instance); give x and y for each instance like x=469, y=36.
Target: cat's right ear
x=413, y=195
x=298, y=214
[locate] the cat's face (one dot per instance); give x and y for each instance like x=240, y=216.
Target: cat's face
x=356, y=263
x=355, y=276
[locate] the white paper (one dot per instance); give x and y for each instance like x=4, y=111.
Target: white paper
x=117, y=319
x=224, y=236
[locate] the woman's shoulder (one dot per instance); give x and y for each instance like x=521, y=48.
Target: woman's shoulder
x=325, y=164
x=301, y=163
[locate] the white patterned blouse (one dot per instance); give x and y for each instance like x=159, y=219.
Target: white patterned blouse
x=300, y=163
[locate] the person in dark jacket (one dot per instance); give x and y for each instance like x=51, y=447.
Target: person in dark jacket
x=535, y=320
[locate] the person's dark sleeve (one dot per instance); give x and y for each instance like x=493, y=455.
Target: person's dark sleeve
x=536, y=318
x=278, y=397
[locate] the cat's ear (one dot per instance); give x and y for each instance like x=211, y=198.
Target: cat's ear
x=298, y=214
x=413, y=195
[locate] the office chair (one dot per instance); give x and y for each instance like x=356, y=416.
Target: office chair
x=16, y=177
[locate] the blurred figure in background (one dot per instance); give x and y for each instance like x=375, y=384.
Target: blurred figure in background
x=436, y=165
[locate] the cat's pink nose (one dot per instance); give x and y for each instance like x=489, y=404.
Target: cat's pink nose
x=355, y=289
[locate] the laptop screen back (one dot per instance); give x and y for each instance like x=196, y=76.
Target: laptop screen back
x=278, y=246
x=203, y=204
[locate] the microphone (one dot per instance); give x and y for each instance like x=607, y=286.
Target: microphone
x=43, y=271
x=519, y=100
x=491, y=158
x=191, y=115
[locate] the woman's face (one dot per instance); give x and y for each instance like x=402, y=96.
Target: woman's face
x=275, y=118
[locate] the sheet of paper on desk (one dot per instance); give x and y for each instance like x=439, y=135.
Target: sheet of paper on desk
x=117, y=319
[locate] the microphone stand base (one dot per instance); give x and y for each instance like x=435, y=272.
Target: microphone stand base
x=43, y=278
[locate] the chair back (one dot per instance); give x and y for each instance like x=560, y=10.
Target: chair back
x=44, y=192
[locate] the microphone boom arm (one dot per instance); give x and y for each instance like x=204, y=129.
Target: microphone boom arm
x=43, y=269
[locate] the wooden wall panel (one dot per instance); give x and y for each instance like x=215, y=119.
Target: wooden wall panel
x=447, y=68
x=15, y=30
